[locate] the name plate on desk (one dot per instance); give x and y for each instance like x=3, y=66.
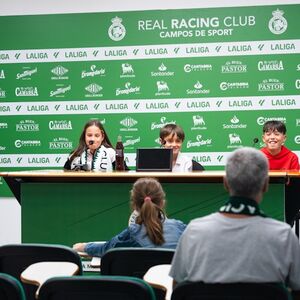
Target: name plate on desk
x=92, y=265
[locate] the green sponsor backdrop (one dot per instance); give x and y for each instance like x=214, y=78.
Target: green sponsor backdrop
x=218, y=72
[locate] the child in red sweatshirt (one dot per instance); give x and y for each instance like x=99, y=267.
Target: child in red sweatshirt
x=280, y=157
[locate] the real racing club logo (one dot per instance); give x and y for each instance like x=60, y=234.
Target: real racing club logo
x=116, y=30
x=278, y=24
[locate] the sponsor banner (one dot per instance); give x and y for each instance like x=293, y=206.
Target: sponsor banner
x=58, y=160
x=151, y=52
x=219, y=73
x=152, y=105
x=32, y=160
x=161, y=26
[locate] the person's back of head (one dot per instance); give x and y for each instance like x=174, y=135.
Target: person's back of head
x=246, y=173
x=148, y=198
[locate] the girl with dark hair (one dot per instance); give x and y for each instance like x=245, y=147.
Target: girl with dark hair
x=95, y=151
x=151, y=227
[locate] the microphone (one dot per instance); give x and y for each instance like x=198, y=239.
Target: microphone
x=81, y=167
x=91, y=143
x=255, y=141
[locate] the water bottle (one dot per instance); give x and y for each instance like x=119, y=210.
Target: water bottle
x=119, y=155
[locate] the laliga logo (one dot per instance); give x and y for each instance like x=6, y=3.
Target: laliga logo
x=278, y=24
x=116, y=30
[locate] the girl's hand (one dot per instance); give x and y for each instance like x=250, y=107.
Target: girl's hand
x=79, y=247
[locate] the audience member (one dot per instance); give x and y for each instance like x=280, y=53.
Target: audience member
x=172, y=136
x=280, y=157
x=94, y=152
x=239, y=243
x=151, y=228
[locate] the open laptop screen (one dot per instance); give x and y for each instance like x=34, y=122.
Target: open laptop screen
x=154, y=159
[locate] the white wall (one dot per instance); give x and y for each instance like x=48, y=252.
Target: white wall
x=10, y=211
x=10, y=221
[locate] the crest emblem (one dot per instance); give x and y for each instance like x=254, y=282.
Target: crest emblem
x=278, y=24
x=116, y=30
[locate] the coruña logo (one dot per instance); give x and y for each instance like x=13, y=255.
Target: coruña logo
x=278, y=24
x=116, y=30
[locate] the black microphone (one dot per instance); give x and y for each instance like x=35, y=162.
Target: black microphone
x=91, y=143
x=255, y=141
x=81, y=167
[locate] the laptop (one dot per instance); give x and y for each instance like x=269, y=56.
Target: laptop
x=154, y=160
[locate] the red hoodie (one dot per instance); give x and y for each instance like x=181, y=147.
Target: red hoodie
x=284, y=160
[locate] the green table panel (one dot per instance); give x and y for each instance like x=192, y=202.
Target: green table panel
x=65, y=213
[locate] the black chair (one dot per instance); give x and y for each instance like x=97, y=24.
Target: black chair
x=95, y=288
x=15, y=258
x=135, y=262
x=230, y=291
x=10, y=288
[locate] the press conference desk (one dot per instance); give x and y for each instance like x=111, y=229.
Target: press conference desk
x=66, y=207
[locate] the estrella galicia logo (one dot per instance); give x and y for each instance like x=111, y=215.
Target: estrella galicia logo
x=297, y=139
x=128, y=122
x=116, y=30
x=278, y=24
